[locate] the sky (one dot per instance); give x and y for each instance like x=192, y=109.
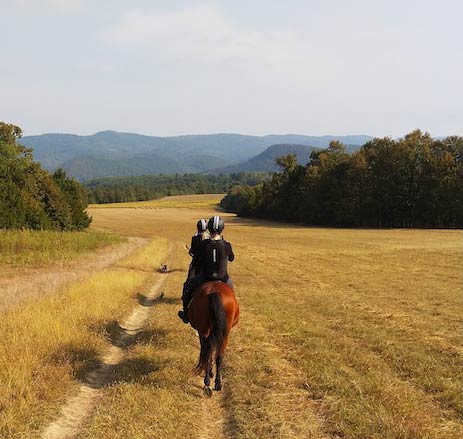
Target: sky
x=377, y=67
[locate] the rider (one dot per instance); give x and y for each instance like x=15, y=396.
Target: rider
x=214, y=255
x=195, y=247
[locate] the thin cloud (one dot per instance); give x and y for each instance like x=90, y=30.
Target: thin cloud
x=204, y=32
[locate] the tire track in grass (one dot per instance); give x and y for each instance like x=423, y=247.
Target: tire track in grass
x=79, y=408
x=211, y=410
x=215, y=418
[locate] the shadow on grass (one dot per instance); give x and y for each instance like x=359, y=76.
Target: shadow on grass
x=135, y=371
x=231, y=425
x=146, y=301
x=89, y=368
x=132, y=371
x=93, y=371
x=82, y=360
x=152, y=337
x=109, y=329
x=171, y=300
x=123, y=339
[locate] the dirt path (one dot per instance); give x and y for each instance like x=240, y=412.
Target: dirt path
x=215, y=418
x=212, y=410
x=78, y=408
x=45, y=281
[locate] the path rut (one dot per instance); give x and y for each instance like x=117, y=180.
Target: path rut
x=79, y=408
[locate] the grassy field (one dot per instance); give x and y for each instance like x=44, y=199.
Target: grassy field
x=29, y=248
x=344, y=334
x=50, y=343
x=208, y=201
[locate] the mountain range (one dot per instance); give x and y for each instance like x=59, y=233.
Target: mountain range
x=110, y=153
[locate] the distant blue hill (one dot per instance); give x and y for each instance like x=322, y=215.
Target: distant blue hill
x=110, y=153
x=265, y=161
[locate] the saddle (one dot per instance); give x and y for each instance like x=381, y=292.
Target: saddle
x=193, y=294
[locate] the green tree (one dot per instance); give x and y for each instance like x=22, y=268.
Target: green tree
x=76, y=197
x=411, y=182
x=29, y=196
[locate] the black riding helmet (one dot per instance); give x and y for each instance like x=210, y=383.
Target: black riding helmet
x=201, y=225
x=215, y=224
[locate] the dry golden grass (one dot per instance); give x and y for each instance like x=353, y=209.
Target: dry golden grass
x=344, y=333
x=207, y=201
x=155, y=394
x=50, y=342
x=26, y=283
x=371, y=320
x=31, y=248
x=147, y=258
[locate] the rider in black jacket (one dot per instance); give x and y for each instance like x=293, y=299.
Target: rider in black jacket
x=195, y=248
x=214, y=255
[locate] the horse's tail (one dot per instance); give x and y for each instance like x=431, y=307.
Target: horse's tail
x=216, y=337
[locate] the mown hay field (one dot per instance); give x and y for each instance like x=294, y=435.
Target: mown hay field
x=343, y=334
x=206, y=201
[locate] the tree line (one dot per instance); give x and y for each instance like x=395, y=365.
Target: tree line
x=150, y=187
x=415, y=181
x=31, y=197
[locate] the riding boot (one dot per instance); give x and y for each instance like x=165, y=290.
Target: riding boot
x=183, y=314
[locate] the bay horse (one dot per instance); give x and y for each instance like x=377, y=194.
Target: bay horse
x=213, y=311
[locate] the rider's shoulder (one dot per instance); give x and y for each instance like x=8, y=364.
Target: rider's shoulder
x=225, y=244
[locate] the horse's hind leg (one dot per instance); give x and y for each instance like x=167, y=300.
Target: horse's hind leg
x=207, y=383
x=207, y=375
x=218, y=373
x=207, y=379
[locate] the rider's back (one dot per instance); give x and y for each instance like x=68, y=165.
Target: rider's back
x=215, y=255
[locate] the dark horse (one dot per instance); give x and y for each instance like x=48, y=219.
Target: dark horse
x=213, y=311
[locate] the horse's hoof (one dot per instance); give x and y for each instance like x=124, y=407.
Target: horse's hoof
x=207, y=391
x=218, y=387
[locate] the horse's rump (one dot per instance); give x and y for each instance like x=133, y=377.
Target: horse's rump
x=199, y=308
x=213, y=311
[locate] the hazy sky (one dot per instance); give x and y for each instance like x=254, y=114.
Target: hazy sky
x=379, y=67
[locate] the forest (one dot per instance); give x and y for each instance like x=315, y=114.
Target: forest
x=415, y=181
x=150, y=187
x=31, y=197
